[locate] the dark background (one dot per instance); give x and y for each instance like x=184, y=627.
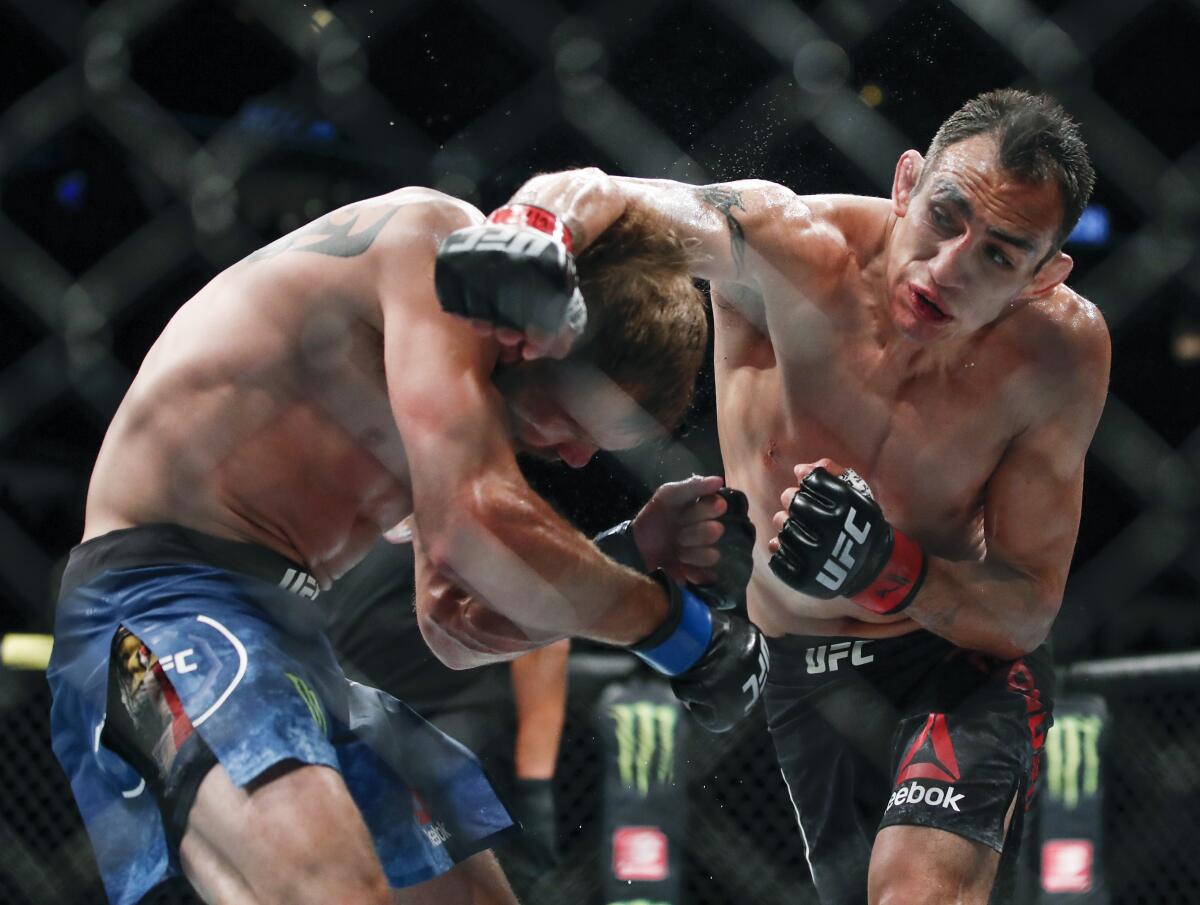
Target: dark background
x=147, y=144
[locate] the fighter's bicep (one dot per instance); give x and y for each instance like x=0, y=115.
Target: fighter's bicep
x=448, y=414
x=1032, y=507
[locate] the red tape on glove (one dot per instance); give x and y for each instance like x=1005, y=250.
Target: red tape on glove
x=535, y=218
x=896, y=586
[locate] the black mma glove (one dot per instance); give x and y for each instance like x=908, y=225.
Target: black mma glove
x=517, y=270
x=717, y=661
x=836, y=543
x=737, y=554
x=618, y=544
x=533, y=806
x=736, y=545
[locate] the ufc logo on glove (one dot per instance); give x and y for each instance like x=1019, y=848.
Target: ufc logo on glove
x=833, y=573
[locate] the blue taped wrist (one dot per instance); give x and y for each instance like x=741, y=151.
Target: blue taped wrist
x=687, y=644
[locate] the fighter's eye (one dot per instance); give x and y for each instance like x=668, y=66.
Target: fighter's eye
x=940, y=218
x=999, y=258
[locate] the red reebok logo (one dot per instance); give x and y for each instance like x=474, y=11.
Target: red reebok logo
x=936, y=754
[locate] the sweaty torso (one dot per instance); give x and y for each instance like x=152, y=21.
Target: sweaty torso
x=804, y=371
x=261, y=413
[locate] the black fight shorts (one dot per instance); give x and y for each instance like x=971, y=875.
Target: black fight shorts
x=903, y=731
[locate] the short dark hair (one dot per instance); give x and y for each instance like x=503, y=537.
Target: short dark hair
x=1036, y=141
x=647, y=324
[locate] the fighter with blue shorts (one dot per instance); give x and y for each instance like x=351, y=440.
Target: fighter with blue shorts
x=303, y=402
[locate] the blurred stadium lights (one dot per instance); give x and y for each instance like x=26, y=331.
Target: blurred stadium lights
x=1093, y=227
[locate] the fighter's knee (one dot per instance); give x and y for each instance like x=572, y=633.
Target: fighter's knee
x=923, y=883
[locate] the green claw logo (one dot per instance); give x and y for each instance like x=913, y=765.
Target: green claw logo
x=644, y=730
x=1073, y=759
x=309, y=697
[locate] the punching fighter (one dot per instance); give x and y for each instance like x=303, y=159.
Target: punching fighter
x=915, y=377
x=305, y=400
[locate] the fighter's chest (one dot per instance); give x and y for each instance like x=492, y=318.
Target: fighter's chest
x=926, y=443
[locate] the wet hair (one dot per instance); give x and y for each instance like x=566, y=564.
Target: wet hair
x=647, y=324
x=1036, y=142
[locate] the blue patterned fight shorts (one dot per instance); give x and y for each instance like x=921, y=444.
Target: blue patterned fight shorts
x=175, y=650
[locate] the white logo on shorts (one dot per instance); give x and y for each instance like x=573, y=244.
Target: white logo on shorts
x=816, y=658
x=436, y=833
x=936, y=796
x=179, y=662
x=300, y=583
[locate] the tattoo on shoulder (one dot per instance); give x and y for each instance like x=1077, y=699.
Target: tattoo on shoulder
x=338, y=240
x=725, y=200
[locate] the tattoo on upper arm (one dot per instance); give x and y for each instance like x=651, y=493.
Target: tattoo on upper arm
x=332, y=239
x=725, y=199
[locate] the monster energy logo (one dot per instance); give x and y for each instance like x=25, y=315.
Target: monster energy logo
x=1073, y=758
x=643, y=730
x=309, y=697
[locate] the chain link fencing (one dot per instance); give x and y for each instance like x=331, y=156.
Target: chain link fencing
x=147, y=144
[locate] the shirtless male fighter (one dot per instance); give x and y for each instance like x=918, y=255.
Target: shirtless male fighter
x=305, y=400
x=921, y=349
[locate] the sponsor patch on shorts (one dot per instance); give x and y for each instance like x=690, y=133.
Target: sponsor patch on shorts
x=933, y=796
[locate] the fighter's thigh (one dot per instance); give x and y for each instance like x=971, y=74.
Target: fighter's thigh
x=475, y=881
x=915, y=865
x=292, y=836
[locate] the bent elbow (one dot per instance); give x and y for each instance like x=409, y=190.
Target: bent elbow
x=1034, y=629
x=445, y=641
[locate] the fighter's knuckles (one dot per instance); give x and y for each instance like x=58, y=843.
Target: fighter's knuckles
x=701, y=534
x=697, y=576
x=700, y=556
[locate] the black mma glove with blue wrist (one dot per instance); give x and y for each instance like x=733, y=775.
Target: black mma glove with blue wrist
x=717, y=660
x=736, y=545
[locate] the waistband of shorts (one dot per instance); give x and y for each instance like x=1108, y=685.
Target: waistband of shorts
x=802, y=642
x=921, y=642
x=166, y=544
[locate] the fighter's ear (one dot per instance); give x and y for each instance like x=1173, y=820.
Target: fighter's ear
x=1050, y=274
x=908, y=174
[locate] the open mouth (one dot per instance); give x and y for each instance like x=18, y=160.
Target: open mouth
x=927, y=309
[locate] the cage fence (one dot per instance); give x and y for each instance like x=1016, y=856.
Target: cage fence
x=147, y=144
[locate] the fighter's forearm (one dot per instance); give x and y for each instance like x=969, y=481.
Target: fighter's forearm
x=588, y=200
x=990, y=607
x=715, y=216
x=521, y=559
x=540, y=690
